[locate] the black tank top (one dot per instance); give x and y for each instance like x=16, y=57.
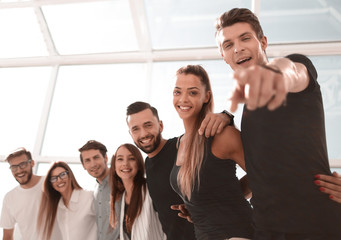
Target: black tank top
x=218, y=208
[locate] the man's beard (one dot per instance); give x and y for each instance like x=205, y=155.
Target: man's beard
x=152, y=147
x=29, y=176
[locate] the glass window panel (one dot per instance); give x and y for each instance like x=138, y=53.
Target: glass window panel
x=301, y=21
x=329, y=77
x=20, y=34
x=22, y=95
x=90, y=103
x=83, y=178
x=91, y=27
x=163, y=80
x=185, y=23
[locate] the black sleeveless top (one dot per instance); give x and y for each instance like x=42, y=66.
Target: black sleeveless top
x=218, y=208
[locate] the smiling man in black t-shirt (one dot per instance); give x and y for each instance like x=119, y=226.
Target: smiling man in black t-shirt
x=145, y=129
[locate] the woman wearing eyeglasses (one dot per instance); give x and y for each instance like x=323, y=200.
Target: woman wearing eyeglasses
x=66, y=206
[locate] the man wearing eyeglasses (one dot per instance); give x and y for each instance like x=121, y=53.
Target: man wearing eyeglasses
x=21, y=204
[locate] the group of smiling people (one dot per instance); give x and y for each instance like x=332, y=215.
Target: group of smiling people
x=281, y=146
x=62, y=193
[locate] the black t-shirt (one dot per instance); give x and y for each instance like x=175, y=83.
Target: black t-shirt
x=158, y=171
x=284, y=149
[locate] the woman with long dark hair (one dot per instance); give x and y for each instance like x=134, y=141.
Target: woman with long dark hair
x=138, y=219
x=65, y=206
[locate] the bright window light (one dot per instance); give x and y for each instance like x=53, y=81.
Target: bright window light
x=90, y=103
x=301, y=21
x=20, y=34
x=186, y=24
x=92, y=27
x=23, y=92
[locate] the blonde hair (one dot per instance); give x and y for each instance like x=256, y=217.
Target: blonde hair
x=195, y=143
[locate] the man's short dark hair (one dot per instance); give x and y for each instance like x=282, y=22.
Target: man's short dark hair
x=137, y=107
x=237, y=15
x=95, y=145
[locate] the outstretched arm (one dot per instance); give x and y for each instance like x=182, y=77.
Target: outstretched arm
x=330, y=185
x=268, y=85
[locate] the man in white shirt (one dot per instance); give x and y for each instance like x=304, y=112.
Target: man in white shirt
x=21, y=204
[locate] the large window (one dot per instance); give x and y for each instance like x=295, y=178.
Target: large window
x=69, y=68
x=181, y=24
x=301, y=21
x=22, y=37
x=90, y=103
x=92, y=27
x=22, y=99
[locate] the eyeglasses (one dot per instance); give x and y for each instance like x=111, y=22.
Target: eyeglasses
x=61, y=175
x=22, y=165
